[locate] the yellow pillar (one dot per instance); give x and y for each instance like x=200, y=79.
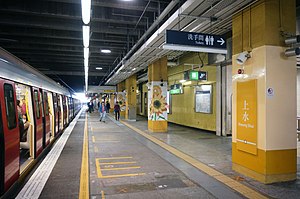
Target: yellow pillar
x=264, y=144
x=157, y=93
x=121, y=98
x=130, y=85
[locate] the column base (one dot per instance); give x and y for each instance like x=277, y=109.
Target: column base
x=264, y=178
x=158, y=126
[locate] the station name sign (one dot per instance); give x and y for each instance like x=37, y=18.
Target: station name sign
x=196, y=42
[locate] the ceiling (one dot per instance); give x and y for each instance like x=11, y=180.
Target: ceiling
x=47, y=34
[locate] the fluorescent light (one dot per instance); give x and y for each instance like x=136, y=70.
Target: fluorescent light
x=183, y=80
x=86, y=53
x=86, y=36
x=133, y=69
x=98, y=68
x=106, y=51
x=86, y=62
x=193, y=49
x=86, y=11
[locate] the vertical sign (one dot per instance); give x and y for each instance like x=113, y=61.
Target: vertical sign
x=247, y=116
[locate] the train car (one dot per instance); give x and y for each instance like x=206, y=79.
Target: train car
x=34, y=112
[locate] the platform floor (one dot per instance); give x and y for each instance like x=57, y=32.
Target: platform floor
x=127, y=161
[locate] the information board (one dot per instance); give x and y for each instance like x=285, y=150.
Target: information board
x=203, y=99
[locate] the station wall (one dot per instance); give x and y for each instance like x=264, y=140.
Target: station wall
x=183, y=105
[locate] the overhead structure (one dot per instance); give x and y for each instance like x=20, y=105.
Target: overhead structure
x=192, y=16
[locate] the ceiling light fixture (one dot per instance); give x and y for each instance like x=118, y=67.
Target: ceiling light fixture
x=86, y=11
x=98, y=68
x=106, y=51
x=86, y=52
x=86, y=36
x=86, y=62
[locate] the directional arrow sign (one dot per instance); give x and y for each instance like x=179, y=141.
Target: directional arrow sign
x=192, y=41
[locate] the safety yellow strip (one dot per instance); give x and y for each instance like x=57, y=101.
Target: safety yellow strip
x=242, y=189
x=102, y=195
x=84, y=176
x=123, y=175
x=93, y=139
x=108, y=163
x=121, y=168
x=114, y=158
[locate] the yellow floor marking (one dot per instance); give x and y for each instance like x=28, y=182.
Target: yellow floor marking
x=93, y=138
x=96, y=149
x=114, y=158
x=123, y=175
x=107, y=163
x=121, y=168
x=98, y=169
x=84, y=175
x=102, y=195
x=244, y=190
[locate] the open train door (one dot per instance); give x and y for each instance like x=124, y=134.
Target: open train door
x=9, y=136
x=38, y=120
x=46, y=120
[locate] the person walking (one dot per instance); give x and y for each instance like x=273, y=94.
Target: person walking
x=117, y=111
x=102, y=110
x=107, y=106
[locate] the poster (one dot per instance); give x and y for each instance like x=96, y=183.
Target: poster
x=203, y=99
x=157, y=101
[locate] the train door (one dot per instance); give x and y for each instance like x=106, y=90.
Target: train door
x=51, y=115
x=38, y=118
x=67, y=110
x=56, y=114
x=64, y=110
x=23, y=96
x=46, y=119
x=61, y=113
x=9, y=135
x=2, y=152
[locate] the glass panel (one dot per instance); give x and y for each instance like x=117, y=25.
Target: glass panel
x=10, y=106
x=41, y=104
x=37, y=105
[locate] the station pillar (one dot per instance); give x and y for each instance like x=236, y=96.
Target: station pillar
x=130, y=85
x=157, y=94
x=112, y=102
x=121, y=98
x=264, y=141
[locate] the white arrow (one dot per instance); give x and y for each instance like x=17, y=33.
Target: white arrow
x=221, y=41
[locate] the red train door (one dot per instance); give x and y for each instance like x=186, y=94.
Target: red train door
x=10, y=135
x=56, y=121
x=2, y=153
x=38, y=141
x=46, y=120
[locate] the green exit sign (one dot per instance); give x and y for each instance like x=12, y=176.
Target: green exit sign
x=194, y=75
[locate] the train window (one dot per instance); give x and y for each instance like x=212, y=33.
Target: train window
x=37, y=105
x=10, y=106
x=46, y=103
x=41, y=103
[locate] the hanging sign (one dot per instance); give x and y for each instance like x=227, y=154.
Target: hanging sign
x=196, y=42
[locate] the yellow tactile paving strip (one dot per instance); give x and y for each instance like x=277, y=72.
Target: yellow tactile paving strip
x=240, y=188
x=84, y=175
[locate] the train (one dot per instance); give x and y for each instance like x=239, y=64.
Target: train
x=35, y=110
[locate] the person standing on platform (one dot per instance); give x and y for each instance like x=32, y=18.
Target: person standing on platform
x=102, y=110
x=117, y=111
x=107, y=106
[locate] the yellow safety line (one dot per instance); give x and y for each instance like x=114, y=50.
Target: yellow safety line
x=102, y=195
x=107, y=163
x=84, y=175
x=93, y=138
x=123, y=175
x=242, y=189
x=121, y=168
x=98, y=169
x=114, y=158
